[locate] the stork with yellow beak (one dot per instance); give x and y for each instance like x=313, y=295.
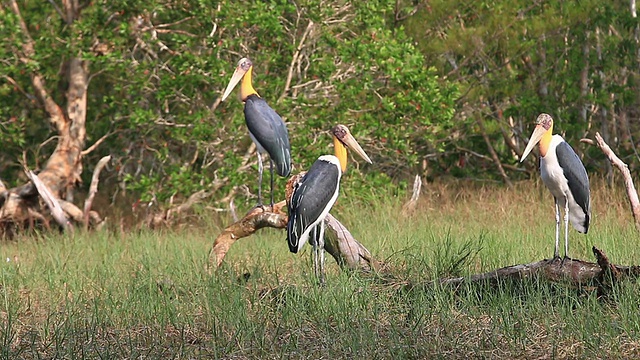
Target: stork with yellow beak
x=266, y=128
x=314, y=195
x=565, y=176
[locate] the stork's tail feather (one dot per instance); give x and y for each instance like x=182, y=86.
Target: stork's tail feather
x=283, y=168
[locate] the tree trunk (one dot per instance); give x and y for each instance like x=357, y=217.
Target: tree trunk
x=64, y=166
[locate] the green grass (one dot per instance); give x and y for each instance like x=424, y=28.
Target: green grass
x=106, y=295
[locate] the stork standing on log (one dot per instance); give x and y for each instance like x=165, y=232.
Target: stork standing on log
x=314, y=195
x=565, y=176
x=266, y=128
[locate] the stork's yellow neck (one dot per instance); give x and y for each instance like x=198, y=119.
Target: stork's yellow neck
x=246, y=87
x=545, y=141
x=341, y=153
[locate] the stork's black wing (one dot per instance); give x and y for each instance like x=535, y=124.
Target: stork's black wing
x=575, y=173
x=312, y=197
x=269, y=130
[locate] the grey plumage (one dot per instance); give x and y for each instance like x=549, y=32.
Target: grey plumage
x=578, y=181
x=269, y=131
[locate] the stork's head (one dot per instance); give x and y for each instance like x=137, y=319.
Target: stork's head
x=243, y=72
x=342, y=139
x=541, y=134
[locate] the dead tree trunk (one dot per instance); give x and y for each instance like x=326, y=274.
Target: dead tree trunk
x=20, y=205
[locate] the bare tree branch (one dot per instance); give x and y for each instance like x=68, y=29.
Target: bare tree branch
x=632, y=194
x=91, y=148
x=58, y=10
x=493, y=153
x=49, y=199
x=294, y=60
x=93, y=189
x=56, y=114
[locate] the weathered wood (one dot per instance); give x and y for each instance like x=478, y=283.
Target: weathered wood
x=568, y=271
x=339, y=243
x=410, y=206
x=256, y=219
x=52, y=202
x=632, y=194
x=93, y=188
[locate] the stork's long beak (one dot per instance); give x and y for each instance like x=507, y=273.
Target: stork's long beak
x=235, y=79
x=533, y=141
x=351, y=142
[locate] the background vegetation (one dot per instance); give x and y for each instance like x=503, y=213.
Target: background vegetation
x=444, y=89
x=436, y=88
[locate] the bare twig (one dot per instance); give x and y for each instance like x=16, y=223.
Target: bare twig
x=493, y=153
x=95, y=145
x=294, y=60
x=485, y=157
x=93, y=189
x=58, y=10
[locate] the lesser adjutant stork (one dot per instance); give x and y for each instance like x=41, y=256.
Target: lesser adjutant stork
x=565, y=176
x=314, y=195
x=266, y=128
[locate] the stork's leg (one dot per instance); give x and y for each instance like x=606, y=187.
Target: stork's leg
x=260, y=169
x=313, y=235
x=557, y=250
x=321, y=249
x=315, y=260
x=271, y=171
x=566, y=227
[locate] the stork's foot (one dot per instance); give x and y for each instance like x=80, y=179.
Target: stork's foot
x=262, y=207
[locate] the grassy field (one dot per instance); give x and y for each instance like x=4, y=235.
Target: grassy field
x=145, y=295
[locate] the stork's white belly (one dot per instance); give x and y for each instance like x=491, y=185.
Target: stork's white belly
x=553, y=177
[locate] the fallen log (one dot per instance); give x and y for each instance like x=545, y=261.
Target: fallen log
x=601, y=275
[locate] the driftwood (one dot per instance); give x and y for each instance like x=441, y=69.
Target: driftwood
x=601, y=275
x=624, y=169
x=339, y=243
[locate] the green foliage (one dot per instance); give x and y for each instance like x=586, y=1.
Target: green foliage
x=418, y=92
x=513, y=60
x=159, y=67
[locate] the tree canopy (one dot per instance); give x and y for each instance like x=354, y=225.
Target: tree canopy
x=436, y=88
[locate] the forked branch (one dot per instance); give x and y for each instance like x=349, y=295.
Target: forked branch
x=340, y=244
